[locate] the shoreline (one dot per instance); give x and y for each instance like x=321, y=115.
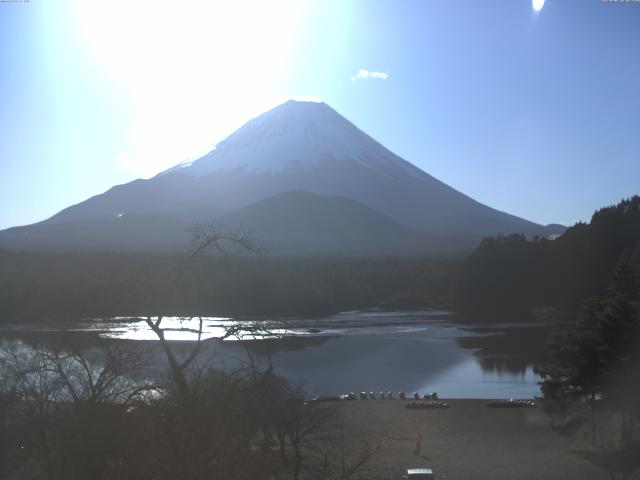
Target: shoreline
x=384, y=352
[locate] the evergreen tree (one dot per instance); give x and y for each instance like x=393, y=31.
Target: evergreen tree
x=591, y=355
x=508, y=277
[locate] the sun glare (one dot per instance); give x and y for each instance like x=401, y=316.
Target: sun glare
x=191, y=71
x=537, y=4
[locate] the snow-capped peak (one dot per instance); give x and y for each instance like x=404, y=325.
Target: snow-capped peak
x=294, y=135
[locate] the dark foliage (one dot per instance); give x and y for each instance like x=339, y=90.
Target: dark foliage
x=593, y=369
x=34, y=287
x=509, y=277
x=75, y=414
x=595, y=354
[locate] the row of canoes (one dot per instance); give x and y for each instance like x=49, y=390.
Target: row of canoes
x=426, y=404
x=373, y=396
x=428, y=401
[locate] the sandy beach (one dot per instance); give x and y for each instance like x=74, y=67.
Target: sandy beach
x=466, y=441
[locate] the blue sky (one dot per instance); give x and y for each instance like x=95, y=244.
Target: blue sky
x=533, y=113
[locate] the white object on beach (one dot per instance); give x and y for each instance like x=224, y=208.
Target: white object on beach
x=420, y=474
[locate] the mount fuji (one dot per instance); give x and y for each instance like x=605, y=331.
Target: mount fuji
x=302, y=178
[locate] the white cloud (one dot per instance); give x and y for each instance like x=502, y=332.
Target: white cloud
x=365, y=74
x=380, y=75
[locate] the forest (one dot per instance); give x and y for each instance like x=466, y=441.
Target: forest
x=513, y=278
x=37, y=287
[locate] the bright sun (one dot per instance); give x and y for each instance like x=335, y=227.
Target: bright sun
x=190, y=72
x=537, y=4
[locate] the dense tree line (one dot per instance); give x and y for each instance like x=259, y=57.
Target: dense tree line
x=596, y=354
x=68, y=286
x=509, y=277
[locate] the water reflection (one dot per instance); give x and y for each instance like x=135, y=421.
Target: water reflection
x=346, y=323
x=401, y=362
x=470, y=380
x=508, y=349
x=366, y=363
x=354, y=351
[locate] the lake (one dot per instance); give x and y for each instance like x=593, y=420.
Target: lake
x=421, y=351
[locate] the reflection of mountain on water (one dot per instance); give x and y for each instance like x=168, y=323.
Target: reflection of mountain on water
x=507, y=350
x=367, y=363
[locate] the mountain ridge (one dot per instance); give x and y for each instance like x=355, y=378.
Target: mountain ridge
x=302, y=223
x=297, y=146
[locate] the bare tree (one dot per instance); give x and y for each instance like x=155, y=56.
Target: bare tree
x=210, y=240
x=70, y=406
x=107, y=378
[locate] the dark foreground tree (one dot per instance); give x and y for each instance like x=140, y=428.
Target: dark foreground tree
x=593, y=373
x=67, y=417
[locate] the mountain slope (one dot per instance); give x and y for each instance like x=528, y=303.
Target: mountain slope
x=297, y=146
x=302, y=223
x=309, y=146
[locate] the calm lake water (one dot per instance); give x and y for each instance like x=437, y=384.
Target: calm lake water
x=419, y=351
